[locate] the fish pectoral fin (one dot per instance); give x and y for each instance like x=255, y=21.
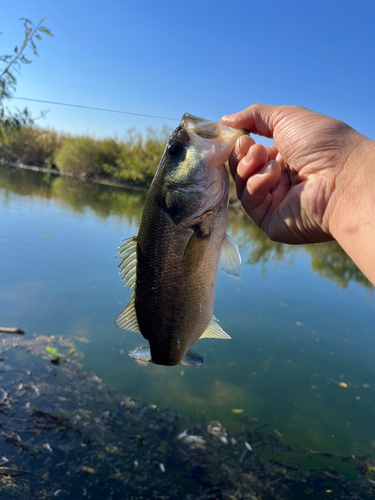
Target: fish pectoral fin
x=127, y=320
x=192, y=358
x=214, y=331
x=193, y=253
x=230, y=259
x=128, y=264
x=141, y=353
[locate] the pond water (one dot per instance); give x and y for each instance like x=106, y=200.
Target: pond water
x=302, y=320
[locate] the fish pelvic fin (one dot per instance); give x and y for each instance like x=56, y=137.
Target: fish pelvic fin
x=230, y=259
x=192, y=358
x=143, y=353
x=128, y=264
x=127, y=320
x=214, y=331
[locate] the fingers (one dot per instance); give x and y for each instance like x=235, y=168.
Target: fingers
x=241, y=148
x=256, y=197
x=259, y=119
x=263, y=119
x=254, y=160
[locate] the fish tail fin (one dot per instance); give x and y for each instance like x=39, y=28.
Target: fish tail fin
x=143, y=353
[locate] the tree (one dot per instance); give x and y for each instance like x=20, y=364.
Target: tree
x=8, y=80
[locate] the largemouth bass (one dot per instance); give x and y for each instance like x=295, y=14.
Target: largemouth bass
x=172, y=264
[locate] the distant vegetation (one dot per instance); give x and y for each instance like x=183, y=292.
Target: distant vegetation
x=134, y=158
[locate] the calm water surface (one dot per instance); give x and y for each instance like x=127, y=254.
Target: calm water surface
x=302, y=320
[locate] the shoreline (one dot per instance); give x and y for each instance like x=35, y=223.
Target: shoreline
x=112, y=182
x=83, y=177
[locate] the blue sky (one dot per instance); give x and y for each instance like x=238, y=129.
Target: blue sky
x=204, y=57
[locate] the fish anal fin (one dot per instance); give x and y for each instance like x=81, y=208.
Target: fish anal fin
x=127, y=320
x=230, y=259
x=214, y=331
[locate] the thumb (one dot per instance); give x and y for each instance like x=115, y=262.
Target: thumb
x=260, y=119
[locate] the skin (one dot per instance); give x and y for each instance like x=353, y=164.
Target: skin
x=317, y=183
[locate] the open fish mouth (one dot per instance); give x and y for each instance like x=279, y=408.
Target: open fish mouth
x=204, y=128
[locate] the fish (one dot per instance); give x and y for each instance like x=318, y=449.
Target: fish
x=171, y=265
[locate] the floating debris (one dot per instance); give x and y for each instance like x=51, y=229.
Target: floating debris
x=18, y=331
x=248, y=446
x=216, y=429
x=196, y=441
x=162, y=468
x=87, y=469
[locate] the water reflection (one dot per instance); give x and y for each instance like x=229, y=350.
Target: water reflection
x=327, y=259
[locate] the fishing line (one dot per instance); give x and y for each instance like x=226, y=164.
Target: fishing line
x=96, y=109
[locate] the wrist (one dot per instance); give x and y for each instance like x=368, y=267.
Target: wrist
x=351, y=211
x=353, y=196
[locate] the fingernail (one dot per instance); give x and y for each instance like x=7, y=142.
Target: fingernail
x=238, y=148
x=268, y=167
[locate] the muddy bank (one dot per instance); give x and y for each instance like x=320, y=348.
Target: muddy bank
x=65, y=434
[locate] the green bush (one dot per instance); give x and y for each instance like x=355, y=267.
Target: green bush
x=134, y=158
x=31, y=146
x=140, y=156
x=80, y=155
x=110, y=154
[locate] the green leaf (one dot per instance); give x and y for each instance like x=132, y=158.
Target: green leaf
x=45, y=30
x=26, y=20
x=54, y=352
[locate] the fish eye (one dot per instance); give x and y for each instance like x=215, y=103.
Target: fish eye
x=175, y=148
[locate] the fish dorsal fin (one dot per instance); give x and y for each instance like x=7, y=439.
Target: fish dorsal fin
x=230, y=259
x=214, y=331
x=127, y=320
x=192, y=358
x=128, y=264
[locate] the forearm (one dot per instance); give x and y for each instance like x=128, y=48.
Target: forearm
x=352, y=217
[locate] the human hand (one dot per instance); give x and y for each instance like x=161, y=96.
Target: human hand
x=291, y=189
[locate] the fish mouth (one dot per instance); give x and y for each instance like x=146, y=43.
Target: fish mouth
x=208, y=129
x=204, y=128
x=206, y=135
